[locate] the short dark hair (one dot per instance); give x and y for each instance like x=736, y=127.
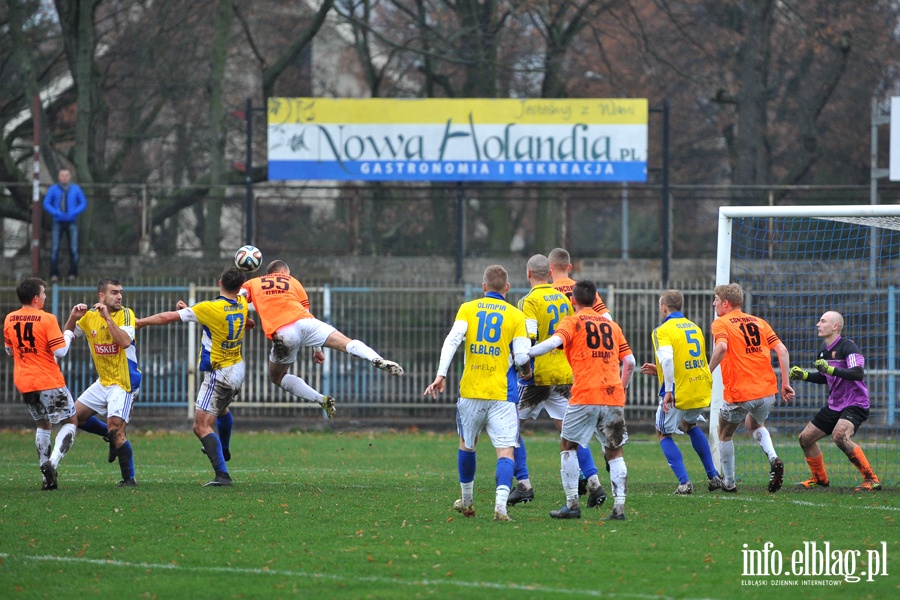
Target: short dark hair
x=106, y=282
x=232, y=279
x=28, y=289
x=672, y=299
x=496, y=278
x=277, y=266
x=584, y=292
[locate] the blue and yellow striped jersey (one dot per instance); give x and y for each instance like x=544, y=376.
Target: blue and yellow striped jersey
x=693, y=382
x=115, y=365
x=492, y=324
x=223, y=321
x=545, y=306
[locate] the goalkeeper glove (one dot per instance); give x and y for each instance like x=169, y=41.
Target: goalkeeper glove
x=798, y=373
x=823, y=366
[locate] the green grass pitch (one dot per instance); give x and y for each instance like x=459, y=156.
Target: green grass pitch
x=368, y=515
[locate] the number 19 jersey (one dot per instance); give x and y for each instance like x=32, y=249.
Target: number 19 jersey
x=747, y=365
x=492, y=324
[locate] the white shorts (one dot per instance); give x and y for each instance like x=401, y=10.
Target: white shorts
x=497, y=417
x=108, y=400
x=583, y=421
x=288, y=339
x=736, y=412
x=552, y=398
x=220, y=388
x=668, y=423
x=54, y=405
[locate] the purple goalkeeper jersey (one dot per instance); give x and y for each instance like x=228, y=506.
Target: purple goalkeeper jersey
x=844, y=354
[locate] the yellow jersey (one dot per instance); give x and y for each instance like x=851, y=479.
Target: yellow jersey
x=693, y=382
x=492, y=324
x=115, y=365
x=544, y=307
x=223, y=321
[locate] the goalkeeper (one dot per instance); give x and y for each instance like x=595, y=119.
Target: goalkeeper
x=840, y=364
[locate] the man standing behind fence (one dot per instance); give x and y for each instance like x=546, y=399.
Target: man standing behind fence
x=64, y=201
x=224, y=320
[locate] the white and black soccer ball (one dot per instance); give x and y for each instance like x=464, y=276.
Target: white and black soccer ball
x=248, y=258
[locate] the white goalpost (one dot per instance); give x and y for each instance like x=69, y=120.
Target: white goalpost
x=794, y=263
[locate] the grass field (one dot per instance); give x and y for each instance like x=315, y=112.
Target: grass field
x=359, y=515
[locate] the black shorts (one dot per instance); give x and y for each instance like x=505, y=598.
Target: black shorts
x=826, y=418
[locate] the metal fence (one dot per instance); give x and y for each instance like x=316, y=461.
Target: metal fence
x=296, y=219
x=406, y=324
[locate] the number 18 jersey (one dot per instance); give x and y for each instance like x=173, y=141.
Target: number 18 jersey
x=747, y=365
x=492, y=324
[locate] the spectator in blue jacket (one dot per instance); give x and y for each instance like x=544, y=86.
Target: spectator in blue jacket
x=64, y=201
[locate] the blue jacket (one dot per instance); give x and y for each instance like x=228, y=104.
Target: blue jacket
x=75, y=203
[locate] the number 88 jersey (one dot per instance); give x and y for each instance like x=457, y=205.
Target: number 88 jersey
x=595, y=347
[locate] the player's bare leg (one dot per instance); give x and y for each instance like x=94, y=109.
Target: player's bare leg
x=292, y=384
x=339, y=341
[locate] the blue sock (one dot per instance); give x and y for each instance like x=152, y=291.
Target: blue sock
x=701, y=447
x=505, y=468
x=213, y=448
x=224, y=424
x=95, y=426
x=673, y=455
x=466, y=463
x=126, y=460
x=521, y=458
x=586, y=461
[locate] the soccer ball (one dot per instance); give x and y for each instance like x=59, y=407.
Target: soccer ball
x=248, y=258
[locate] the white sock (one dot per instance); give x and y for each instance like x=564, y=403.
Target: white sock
x=296, y=386
x=593, y=482
x=468, y=491
x=568, y=470
x=357, y=348
x=65, y=438
x=525, y=483
x=42, y=443
x=618, y=478
x=764, y=440
x=500, y=501
x=726, y=454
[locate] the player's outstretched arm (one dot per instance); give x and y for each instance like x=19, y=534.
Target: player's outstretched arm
x=158, y=319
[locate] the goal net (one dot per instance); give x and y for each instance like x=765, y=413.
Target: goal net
x=794, y=263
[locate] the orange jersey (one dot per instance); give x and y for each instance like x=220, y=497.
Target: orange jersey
x=595, y=347
x=565, y=286
x=747, y=365
x=33, y=335
x=279, y=299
